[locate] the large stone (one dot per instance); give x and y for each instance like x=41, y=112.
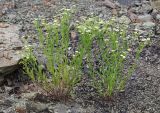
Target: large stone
x=126, y=2
x=146, y=7
x=155, y=4
x=145, y=18
x=59, y=108
x=148, y=25
x=36, y=107
x=29, y=96
x=10, y=48
x=124, y=20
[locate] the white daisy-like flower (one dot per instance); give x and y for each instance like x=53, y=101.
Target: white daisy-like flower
x=128, y=37
x=101, y=22
x=148, y=39
x=67, y=9
x=113, y=50
x=116, y=41
x=136, y=29
x=55, y=21
x=123, y=56
x=136, y=33
x=129, y=49
x=113, y=18
x=88, y=31
x=96, y=27
x=77, y=52
x=69, y=48
x=115, y=29
x=143, y=39
x=106, y=39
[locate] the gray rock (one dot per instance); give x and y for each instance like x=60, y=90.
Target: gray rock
x=8, y=89
x=145, y=18
x=123, y=11
x=101, y=15
x=124, y=20
x=146, y=7
x=137, y=3
x=8, y=110
x=10, y=48
x=12, y=16
x=71, y=108
x=36, y=106
x=126, y=2
x=29, y=96
x=155, y=4
x=20, y=106
x=6, y=102
x=59, y=108
x=149, y=78
x=147, y=25
x=158, y=17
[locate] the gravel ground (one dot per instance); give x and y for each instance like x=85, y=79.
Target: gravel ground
x=141, y=95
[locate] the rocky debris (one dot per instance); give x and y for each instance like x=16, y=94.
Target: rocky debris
x=148, y=25
x=59, y=108
x=126, y=2
x=141, y=7
x=20, y=106
x=71, y=108
x=114, y=12
x=124, y=20
x=10, y=48
x=29, y=96
x=133, y=17
x=6, y=103
x=36, y=106
x=144, y=7
x=145, y=18
x=155, y=4
x=158, y=17
x=109, y=4
x=5, y=6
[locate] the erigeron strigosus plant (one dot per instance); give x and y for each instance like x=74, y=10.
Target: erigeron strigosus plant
x=63, y=73
x=113, y=48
